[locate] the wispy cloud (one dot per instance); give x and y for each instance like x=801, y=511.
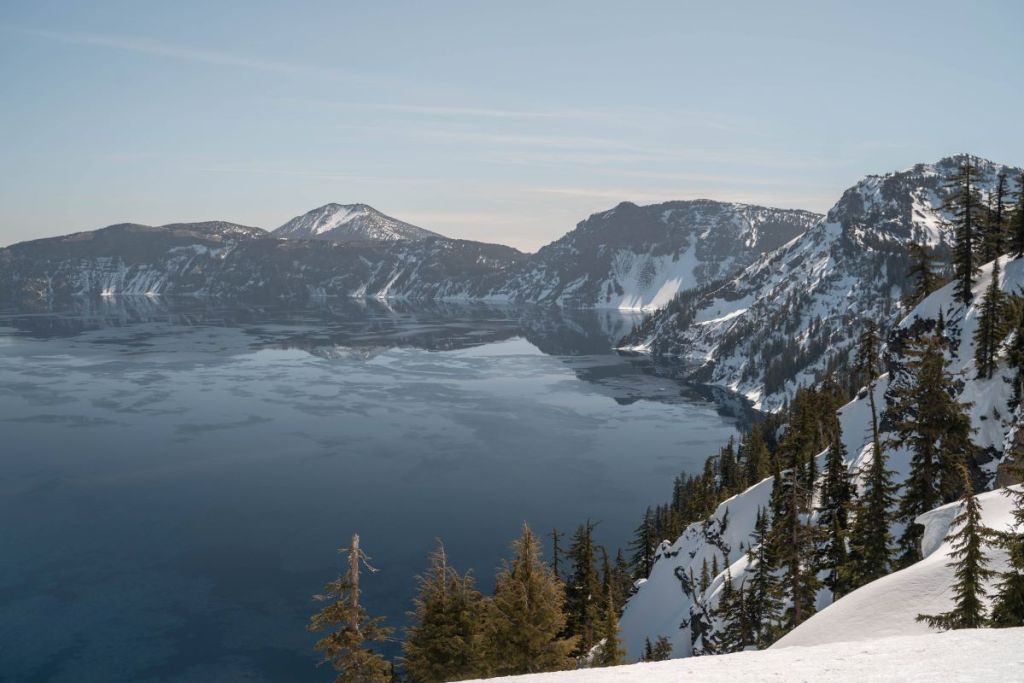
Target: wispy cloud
x=186, y=54
x=452, y=111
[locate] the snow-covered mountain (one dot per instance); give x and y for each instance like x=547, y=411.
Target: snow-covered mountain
x=639, y=257
x=350, y=223
x=630, y=257
x=661, y=608
x=788, y=318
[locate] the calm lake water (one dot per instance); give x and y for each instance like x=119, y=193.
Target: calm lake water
x=175, y=479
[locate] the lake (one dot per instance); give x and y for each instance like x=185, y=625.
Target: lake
x=177, y=477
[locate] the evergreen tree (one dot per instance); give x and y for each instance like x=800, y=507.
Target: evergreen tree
x=659, y=651
x=756, y=458
x=524, y=619
x=1008, y=603
x=964, y=206
x=349, y=628
x=869, y=537
x=610, y=652
x=995, y=223
x=763, y=601
x=991, y=326
x=730, y=477
x=928, y=420
x=1018, y=219
x=583, y=590
x=735, y=632
x=795, y=545
x=556, y=552
x=644, y=544
x=971, y=568
x=922, y=274
x=621, y=581
x=442, y=642
x=833, y=514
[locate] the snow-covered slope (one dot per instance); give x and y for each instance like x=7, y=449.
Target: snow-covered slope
x=968, y=655
x=888, y=606
x=350, y=223
x=661, y=608
x=795, y=313
x=639, y=257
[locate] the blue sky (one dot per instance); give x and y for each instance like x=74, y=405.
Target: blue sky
x=505, y=122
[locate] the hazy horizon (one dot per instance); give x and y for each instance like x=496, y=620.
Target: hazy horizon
x=490, y=123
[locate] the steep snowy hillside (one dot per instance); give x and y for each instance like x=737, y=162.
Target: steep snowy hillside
x=639, y=257
x=794, y=314
x=661, y=608
x=350, y=223
x=888, y=606
x=978, y=655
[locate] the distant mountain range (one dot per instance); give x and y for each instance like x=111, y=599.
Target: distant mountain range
x=628, y=257
x=753, y=299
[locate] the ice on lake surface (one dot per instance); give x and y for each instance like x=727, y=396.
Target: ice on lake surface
x=176, y=478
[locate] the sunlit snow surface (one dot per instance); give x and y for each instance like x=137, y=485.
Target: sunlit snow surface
x=981, y=655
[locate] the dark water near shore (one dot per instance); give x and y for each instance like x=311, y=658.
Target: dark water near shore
x=175, y=478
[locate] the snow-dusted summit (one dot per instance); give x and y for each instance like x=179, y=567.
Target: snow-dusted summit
x=350, y=223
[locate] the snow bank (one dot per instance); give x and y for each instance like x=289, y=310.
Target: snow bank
x=970, y=655
x=888, y=606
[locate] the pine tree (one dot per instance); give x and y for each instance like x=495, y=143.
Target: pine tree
x=556, y=552
x=524, y=619
x=964, y=206
x=349, y=628
x=1008, y=602
x=833, y=514
x=928, y=419
x=995, y=222
x=659, y=651
x=991, y=326
x=971, y=568
x=756, y=457
x=764, y=602
x=442, y=642
x=621, y=581
x=869, y=538
x=735, y=632
x=643, y=546
x=922, y=274
x=705, y=577
x=795, y=545
x=1018, y=219
x=583, y=590
x=729, y=474
x=610, y=652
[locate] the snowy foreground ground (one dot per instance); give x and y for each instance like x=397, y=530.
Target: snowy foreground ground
x=977, y=655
